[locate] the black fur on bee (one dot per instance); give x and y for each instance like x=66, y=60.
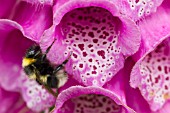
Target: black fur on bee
x=38, y=67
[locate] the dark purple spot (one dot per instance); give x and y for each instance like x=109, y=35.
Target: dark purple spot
x=94, y=28
x=104, y=99
x=159, y=68
x=103, y=28
x=73, y=15
x=81, y=65
x=81, y=46
x=85, y=40
x=90, y=60
x=91, y=50
x=90, y=45
x=98, y=31
x=97, y=21
x=78, y=105
x=101, y=53
x=88, y=74
x=83, y=34
x=94, y=67
x=73, y=24
x=164, y=58
x=84, y=54
x=101, y=36
x=104, y=43
x=80, y=17
x=94, y=72
x=166, y=87
x=105, y=33
x=87, y=27
x=166, y=70
x=136, y=1
x=90, y=34
x=167, y=78
x=75, y=56
x=95, y=40
x=108, y=109
x=157, y=79
x=104, y=20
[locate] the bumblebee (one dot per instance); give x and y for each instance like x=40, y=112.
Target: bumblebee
x=36, y=66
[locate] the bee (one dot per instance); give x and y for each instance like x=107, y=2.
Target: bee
x=36, y=66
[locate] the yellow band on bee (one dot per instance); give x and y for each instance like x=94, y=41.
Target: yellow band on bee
x=27, y=61
x=43, y=79
x=32, y=76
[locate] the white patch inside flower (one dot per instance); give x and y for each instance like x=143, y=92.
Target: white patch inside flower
x=90, y=33
x=92, y=103
x=35, y=93
x=143, y=7
x=155, y=73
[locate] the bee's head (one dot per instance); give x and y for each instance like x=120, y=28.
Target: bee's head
x=33, y=52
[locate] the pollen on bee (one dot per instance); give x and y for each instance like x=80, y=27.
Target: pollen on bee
x=27, y=61
x=32, y=76
x=43, y=79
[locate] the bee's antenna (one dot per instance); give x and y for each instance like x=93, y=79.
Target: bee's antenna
x=47, y=50
x=59, y=67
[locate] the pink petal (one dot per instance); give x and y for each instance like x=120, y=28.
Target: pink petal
x=5, y=7
x=33, y=17
x=89, y=99
x=37, y=2
x=99, y=45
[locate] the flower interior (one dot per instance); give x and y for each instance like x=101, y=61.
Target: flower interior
x=155, y=75
x=91, y=34
x=91, y=103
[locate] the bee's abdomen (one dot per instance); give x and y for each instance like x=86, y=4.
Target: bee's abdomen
x=52, y=82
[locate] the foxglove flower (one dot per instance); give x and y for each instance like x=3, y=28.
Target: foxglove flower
x=96, y=34
x=151, y=72
x=12, y=102
x=14, y=43
x=77, y=98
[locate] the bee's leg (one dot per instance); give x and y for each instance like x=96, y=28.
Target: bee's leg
x=47, y=50
x=46, y=87
x=61, y=66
